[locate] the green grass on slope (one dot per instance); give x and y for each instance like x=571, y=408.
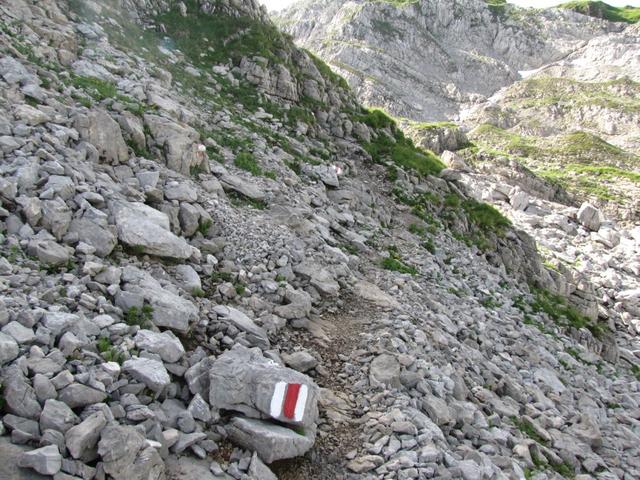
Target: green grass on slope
x=598, y=9
x=622, y=94
x=579, y=161
x=394, y=146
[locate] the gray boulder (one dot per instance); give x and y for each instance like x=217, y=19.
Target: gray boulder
x=103, y=132
x=57, y=416
x=169, y=310
x=385, y=371
x=256, y=335
x=165, y=344
x=243, y=187
x=176, y=141
x=144, y=228
x=150, y=372
x=8, y=348
x=48, y=251
x=243, y=380
x=20, y=398
x=270, y=441
x=95, y=235
x=589, y=217
x=82, y=439
x=46, y=460
x=77, y=395
x=125, y=456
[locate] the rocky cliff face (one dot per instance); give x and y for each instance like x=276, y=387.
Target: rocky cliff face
x=214, y=261
x=423, y=59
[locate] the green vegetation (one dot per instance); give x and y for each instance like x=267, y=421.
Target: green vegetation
x=636, y=371
x=497, y=7
x=109, y=352
x=219, y=277
x=527, y=429
x=198, y=293
x=139, y=316
x=394, y=263
x=579, y=161
x=620, y=94
x=204, y=226
x=599, y=9
x=247, y=162
x=394, y=146
x=557, y=308
x=487, y=218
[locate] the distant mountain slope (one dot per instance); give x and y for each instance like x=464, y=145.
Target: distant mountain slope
x=421, y=60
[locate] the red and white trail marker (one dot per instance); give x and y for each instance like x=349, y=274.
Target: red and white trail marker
x=289, y=401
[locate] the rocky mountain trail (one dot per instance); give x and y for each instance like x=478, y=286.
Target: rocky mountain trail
x=215, y=264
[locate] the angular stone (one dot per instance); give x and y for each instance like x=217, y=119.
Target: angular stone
x=176, y=141
x=165, y=344
x=95, y=235
x=371, y=293
x=48, y=252
x=589, y=217
x=150, y=372
x=82, y=439
x=242, y=379
x=19, y=333
x=59, y=322
x=243, y=187
x=57, y=416
x=137, y=230
x=8, y=348
x=259, y=471
x=19, y=396
x=270, y=441
x=77, y=395
x=103, y=132
x=125, y=456
x=46, y=460
x=256, y=335
x=301, y=361
x=385, y=370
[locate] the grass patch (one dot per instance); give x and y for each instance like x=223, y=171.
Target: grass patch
x=557, y=308
x=139, y=316
x=391, y=145
x=485, y=217
x=603, y=10
x=247, y=162
x=204, y=226
x=394, y=263
x=527, y=429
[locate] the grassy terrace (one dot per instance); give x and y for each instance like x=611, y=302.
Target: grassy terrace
x=603, y=10
x=579, y=161
x=622, y=94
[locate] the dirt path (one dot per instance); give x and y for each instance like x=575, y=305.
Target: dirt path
x=336, y=337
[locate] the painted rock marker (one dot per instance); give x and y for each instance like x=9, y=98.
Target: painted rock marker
x=290, y=400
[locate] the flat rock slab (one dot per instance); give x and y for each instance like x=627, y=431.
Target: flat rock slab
x=138, y=229
x=9, y=469
x=270, y=441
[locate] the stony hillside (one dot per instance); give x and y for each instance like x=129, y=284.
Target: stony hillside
x=216, y=264
x=421, y=60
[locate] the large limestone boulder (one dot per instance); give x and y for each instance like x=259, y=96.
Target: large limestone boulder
x=147, y=229
x=270, y=441
x=126, y=456
x=589, y=217
x=169, y=310
x=103, y=132
x=178, y=143
x=245, y=381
